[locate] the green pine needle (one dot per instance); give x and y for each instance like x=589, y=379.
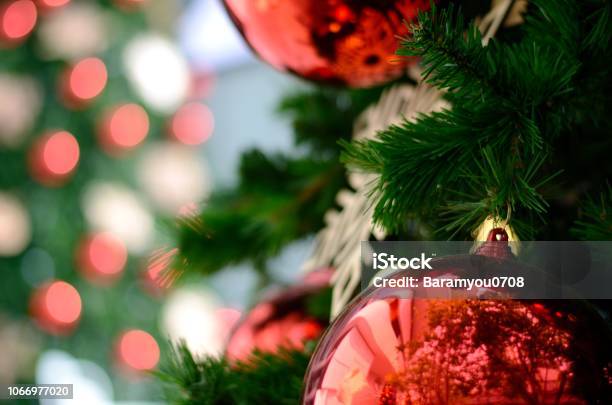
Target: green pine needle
x=513, y=103
x=271, y=379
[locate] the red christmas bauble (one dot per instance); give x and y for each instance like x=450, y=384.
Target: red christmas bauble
x=393, y=346
x=281, y=320
x=351, y=42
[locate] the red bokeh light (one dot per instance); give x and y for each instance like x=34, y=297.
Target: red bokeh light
x=56, y=307
x=17, y=20
x=54, y=157
x=192, y=124
x=137, y=350
x=101, y=258
x=52, y=3
x=123, y=128
x=83, y=82
x=343, y=13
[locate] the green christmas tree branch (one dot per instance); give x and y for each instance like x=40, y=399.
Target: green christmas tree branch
x=512, y=103
x=274, y=379
x=595, y=220
x=279, y=198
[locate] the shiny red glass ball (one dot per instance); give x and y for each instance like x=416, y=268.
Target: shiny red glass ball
x=349, y=42
x=281, y=320
x=393, y=346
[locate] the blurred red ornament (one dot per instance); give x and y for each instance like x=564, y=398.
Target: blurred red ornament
x=56, y=307
x=137, y=350
x=227, y=318
x=281, y=320
x=395, y=346
x=101, y=258
x=17, y=20
x=53, y=158
x=351, y=42
x=123, y=128
x=83, y=82
x=51, y=4
x=192, y=124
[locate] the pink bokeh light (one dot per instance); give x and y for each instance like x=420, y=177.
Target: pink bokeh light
x=123, y=128
x=56, y=307
x=137, y=350
x=17, y=20
x=192, y=124
x=54, y=157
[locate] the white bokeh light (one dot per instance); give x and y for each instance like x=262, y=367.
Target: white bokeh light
x=196, y=318
x=173, y=176
x=114, y=208
x=91, y=384
x=57, y=33
x=20, y=103
x=158, y=72
x=15, y=228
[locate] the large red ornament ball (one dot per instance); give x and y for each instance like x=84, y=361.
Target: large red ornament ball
x=281, y=320
x=350, y=42
x=392, y=346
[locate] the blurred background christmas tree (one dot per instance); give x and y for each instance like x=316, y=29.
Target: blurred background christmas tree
x=116, y=118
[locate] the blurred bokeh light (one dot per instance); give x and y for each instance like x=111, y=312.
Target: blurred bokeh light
x=157, y=71
x=54, y=157
x=15, y=227
x=84, y=81
x=52, y=3
x=56, y=307
x=17, y=20
x=192, y=124
x=57, y=32
x=115, y=208
x=196, y=317
x=20, y=103
x=101, y=258
x=173, y=175
x=137, y=350
x=124, y=128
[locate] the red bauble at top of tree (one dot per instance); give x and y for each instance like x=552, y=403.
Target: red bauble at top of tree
x=350, y=42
